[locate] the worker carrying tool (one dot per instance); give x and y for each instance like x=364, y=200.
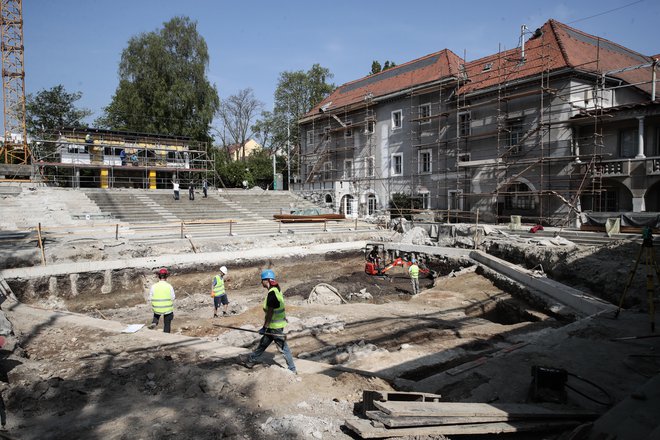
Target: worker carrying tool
x=274, y=322
x=218, y=292
x=161, y=297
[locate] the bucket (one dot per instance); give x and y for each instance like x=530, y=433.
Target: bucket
x=515, y=222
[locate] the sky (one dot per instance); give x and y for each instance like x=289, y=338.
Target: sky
x=78, y=43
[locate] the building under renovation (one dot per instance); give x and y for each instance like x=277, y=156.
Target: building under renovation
x=564, y=129
x=96, y=158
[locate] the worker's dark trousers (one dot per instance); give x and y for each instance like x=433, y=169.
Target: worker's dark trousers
x=206, y=194
x=279, y=341
x=176, y=195
x=191, y=195
x=167, y=321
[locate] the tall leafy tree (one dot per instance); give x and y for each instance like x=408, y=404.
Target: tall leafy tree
x=296, y=94
x=377, y=68
x=162, y=84
x=237, y=114
x=49, y=110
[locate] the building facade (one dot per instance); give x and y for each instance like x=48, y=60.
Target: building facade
x=536, y=131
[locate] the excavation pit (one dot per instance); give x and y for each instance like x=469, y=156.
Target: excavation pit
x=372, y=323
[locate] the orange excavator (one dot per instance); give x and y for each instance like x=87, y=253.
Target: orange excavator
x=374, y=255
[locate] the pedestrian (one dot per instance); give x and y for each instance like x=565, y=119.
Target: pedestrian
x=218, y=292
x=413, y=270
x=205, y=188
x=161, y=297
x=274, y=322
x=175, y=187
x=191, y=192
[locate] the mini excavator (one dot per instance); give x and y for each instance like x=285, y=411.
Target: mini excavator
x=374, y=264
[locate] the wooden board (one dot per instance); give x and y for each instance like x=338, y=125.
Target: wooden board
x=454, y=409
x=401, y=422
x=365, y=429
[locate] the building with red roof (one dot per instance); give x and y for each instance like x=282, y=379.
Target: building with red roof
x=563, y=126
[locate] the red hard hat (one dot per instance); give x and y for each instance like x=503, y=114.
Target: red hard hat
x=163, y=271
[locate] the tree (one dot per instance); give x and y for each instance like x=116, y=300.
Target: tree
x=296, y=94
x=376, y=67
x=50, y=110
x=237, y=114
x=162, y=84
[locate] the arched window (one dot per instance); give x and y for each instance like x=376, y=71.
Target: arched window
x=371, y=204
x=346, y=207
x=328, y=199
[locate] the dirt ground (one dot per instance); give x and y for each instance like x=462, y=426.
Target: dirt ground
x=72, y=381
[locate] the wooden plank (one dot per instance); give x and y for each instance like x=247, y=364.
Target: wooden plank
x=455, y=409
x=368, y=397
x=365, y=428
x=401, y=422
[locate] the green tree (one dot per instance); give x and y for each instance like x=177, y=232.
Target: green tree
x=375, y=67
x=296, y=94
x=404, y=205
x=49, y=110
x=162, y=84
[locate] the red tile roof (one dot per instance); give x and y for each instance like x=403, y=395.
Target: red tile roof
x=554, y=46
x=423, y=70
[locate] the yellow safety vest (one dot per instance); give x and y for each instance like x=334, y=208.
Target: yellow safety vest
x=219, y=288
x=161, y=301
x=278, y=319
x=414, y=271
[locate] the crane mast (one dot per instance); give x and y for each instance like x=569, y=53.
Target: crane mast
x=15, y=149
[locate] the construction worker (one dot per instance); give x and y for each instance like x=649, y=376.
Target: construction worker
x=205, y=188
x=413, y=270
x=218, y=292
x=161, y=297
x=274, y=322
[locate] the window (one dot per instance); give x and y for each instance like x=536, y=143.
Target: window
x=326, y=133
x=348, y=169
x=397, y=164
x=628, y=139
x=327, y=171
x=310, y=137
x=465, y=157
x=397, y=119
x=487, y=67
x=370, y=168
x=371, y=127
x=464, y=124
x=455, y=200
x=424, y=161
x=348, y=132
x=371, y=204
x=426, y=200
x=425, y=114
x=519, y=197
x=515, y=134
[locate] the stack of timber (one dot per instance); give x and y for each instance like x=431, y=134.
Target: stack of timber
x=422, y=416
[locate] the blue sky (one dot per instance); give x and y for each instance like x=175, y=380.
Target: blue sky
x=78, y=43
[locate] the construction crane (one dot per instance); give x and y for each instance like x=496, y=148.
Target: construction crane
x=15, y=149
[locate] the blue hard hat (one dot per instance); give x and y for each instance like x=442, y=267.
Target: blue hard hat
x=413, y=260
x=267, y=274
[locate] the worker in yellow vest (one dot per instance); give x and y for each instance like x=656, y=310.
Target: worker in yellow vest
x=413, y=270
x=218, y=292
x=161, y=297
x=274, y=322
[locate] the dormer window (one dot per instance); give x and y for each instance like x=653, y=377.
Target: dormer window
x=487, y=67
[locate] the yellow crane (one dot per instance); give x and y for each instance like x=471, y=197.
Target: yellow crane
x=15, y=148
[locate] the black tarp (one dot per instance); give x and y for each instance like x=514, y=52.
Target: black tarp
x=634, y=219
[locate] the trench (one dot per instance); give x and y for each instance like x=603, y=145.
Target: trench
x=489, y=314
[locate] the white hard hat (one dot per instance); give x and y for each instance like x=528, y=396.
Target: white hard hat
x=223, y=269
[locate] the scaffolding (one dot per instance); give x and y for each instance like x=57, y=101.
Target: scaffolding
x=499, y=138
